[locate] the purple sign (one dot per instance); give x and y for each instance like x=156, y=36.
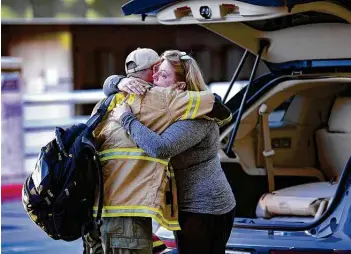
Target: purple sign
x=10, y=82
x=11, y=125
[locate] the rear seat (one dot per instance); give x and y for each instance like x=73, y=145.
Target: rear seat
x=334, y=143
x=268, y=154
x=334, y=149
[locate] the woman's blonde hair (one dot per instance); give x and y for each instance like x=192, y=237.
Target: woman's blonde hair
x=186, y=69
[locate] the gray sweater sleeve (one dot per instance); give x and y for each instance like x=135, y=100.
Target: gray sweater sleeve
x=110, y=84
x=175, y=139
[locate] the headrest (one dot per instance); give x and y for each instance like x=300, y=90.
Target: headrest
x=340, y=116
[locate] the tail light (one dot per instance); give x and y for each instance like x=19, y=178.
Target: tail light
x=170, y=243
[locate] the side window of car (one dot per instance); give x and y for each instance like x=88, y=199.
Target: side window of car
x=278, y=114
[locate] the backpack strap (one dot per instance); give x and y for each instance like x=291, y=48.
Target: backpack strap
x=100, y=113
x=101, y=194
x=91, y=124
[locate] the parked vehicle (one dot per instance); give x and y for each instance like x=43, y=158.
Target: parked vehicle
x=291, y=177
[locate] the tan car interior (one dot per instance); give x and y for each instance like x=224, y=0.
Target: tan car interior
x=313, y=139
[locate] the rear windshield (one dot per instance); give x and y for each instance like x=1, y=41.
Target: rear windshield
x=298, y=19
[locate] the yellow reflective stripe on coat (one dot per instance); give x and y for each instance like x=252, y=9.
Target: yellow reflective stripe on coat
x=138, y=211
x=157, y=243
x=119, y=98
x=190, y=103
x=126, y=149
x=128, y=153
x=193, y=105
x=197, y=105
x=225, y=121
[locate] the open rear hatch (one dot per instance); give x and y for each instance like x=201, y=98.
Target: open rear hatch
x=286, y=34
x=289, y=35
x=292, y=27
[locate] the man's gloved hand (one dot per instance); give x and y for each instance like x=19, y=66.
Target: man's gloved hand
x=220, y=112
x=119, y=110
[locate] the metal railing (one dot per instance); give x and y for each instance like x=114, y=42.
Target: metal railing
x=72, y=97
x=44, y=125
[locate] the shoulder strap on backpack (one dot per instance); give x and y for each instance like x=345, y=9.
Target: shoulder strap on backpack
x=91, y=123
x=99, y=115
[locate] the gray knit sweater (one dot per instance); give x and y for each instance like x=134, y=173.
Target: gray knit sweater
x=193, y=146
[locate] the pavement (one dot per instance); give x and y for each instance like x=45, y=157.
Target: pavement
x=19, y=234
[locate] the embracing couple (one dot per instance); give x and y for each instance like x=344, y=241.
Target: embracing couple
x=159, y=145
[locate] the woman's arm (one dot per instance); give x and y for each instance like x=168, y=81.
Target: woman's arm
x=117, y=83
x=111, y=84
x=175, y=139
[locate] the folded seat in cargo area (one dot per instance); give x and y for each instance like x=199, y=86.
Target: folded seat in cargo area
x=334, y=150
x=306, y=200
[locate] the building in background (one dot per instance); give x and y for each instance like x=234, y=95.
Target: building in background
x=75, y=44
x=62, y=47
x=79, y=42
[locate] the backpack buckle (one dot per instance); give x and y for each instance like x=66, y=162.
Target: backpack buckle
x=99, y=223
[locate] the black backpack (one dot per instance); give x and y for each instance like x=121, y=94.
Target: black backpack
x=59, y=195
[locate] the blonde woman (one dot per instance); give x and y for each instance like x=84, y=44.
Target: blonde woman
x=206, y=201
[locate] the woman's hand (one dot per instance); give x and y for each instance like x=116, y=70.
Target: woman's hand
x=133, y=85
x=119, y=110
